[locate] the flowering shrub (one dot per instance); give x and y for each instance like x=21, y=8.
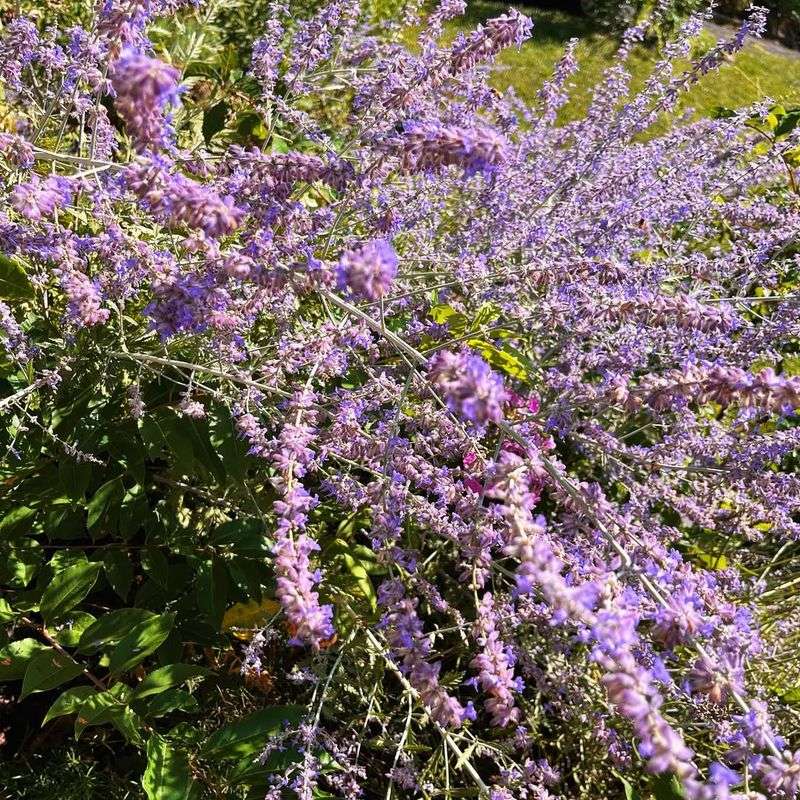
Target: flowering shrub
x=466, y=438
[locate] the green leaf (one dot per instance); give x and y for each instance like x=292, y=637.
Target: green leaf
x=167, y=677
x=155, y=564
x=119, y=571
x=68, y=702
x=506, y=358
x=667, y=787
x=15, y=657
x=74, y=477
x=48, y=669
x=107, y=707
x=22, y=561
x=143, y=640
x=627, y=786
x=212, y=591
x=246, y=736
x=214, y=120
x=791, y=696
x=68, y=588
x=6, y=612
x=167, y=774
x=103, y=508
x=245, y=538
x=16, y=521
x=447, y=315
x=487, y=313
x=230, y=446
x=71, y=628
x=14, y=283
x=161, y=704
x=111, y=628
x=787, y=123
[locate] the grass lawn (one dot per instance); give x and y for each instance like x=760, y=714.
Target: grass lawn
x=752, y=75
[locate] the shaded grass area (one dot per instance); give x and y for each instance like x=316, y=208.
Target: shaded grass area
x=751, y=75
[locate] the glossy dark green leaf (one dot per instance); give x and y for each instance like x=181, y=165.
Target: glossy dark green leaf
x=166, y=677
x=108, y=707
x=245, y=538
x=111, y=628
x=17, y=522
x=71, y=627
x=103, y=508
x=155, y=564
x=48, y=669
x=68, y=588
x=15, y=657
x=74, y=477
x=246, y=736
x=21, y=562
x=214, y=120
x=167, y=775
x=213, y=585
x=140, y=642
x=159, y=705
x=231, y=447
x=68, y=702
x=119, y=571
x=667, y=787
x=787, y=123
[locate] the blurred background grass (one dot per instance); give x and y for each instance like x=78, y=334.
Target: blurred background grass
x=753, y=74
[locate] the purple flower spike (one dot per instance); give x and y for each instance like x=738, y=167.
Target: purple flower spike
x=368, y=271
x=470, y=388
x=145, y=87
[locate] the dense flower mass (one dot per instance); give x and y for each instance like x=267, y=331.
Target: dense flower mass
x=145, y=87
x=369, y=270
x=469, y=386
x=488, y=419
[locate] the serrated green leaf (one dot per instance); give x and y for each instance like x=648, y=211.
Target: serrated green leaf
x=787, y=123
x=140, y=642
x=68, y=588
x=505, y=359
x=447, y=315
x=48, y=669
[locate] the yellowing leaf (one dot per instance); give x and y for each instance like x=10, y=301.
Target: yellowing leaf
x=241, y=618
x=708, y=560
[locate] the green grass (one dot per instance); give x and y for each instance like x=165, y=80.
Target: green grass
x=752, y=75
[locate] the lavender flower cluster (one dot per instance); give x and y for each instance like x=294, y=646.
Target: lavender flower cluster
x=538, y=360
